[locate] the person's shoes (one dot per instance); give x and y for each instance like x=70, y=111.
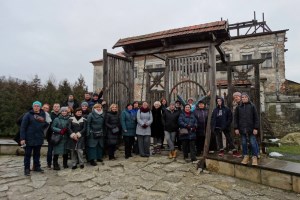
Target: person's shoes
x=93, y=163
x=81, y=166
x=236, y=154
x=66, y=166
x=221, y=153
x=112, y=158
x=27, y=172
x=245, y=160
x=39, y=170
x=211, y=152
x=56, y=167
x=99, y=160
x=74, y=167
x=171, y=155
x=254, y=160
x=130, y=155
x=158, y=150
x=174, y=154
x=49, y=166
x=194, y=161
x=154, y=151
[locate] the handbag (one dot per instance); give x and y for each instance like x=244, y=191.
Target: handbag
x=183, y=131
x=115, y=130
x=55, y=138
x=97, y=134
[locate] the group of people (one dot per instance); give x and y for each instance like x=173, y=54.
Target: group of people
x=92, y=129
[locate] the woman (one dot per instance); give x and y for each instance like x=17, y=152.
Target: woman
x=95, y=134
x=60, y=125
x=85, y=109
x=143, y=130
x=187, y=133
x=128, y=122
x=112, y=123
x=76, y=143
x=201, y=114
x=157, y=129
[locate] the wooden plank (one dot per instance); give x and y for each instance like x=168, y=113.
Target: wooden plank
x=240, y=62
x=167, y=71
x=257, y=97
x=105, y=74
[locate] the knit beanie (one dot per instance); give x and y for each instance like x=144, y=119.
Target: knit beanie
x=245, y=94
x=84, y=104
x=237, y=94
x=37, y=103
x=65, y=108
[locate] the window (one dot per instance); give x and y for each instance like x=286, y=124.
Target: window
x=246, y=57
x=268, y=61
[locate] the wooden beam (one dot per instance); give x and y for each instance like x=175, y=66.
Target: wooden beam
x=105, y=74
x=222, y=53
x=159, y=57
x=161, y=69
x=168, y=49
x=240, y=62
x=118, y=57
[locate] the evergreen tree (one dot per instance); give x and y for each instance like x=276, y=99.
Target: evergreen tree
x=79, y=88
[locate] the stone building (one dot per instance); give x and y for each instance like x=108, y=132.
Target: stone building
x=258, y=43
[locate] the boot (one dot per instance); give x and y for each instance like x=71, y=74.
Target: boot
x=93, y=163
x=254, y=160
x=55, y=163
x=154, y=150
x=65, y=161
x=171, y=154
x=174, y=154
x=245, y=160
x=158, y=149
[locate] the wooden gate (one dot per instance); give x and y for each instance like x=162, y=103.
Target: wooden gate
x=117, y=79
x=187, y=77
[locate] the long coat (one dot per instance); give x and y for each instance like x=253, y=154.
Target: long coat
x=188, y=120
x=59, y=123
x=170, y=120
x=75, y=126
x=157, y=128
x=144, y=118
x=95, y=122
x=128, y=122
x=201, y=116
x=32, y=128
x=112, y=121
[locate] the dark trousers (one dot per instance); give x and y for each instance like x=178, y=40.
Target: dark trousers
x=65, y=159
x=229, y=141
x=129, y=141
x=49, y=154
x=95, y=153
x=200, y=143
x=36, y=156
x=111, y=150
x=189, y=145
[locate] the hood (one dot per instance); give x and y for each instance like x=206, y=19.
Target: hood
x=217, y=102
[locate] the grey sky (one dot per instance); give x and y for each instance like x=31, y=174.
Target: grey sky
x=59, y=38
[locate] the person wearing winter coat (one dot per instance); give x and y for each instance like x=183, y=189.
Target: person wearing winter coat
x=157, y=129
x=32, y=135
x=71, y=101
x=143, y=129
x=246, y=124
x=201, y=114
x=95, y=134
x=188, y=122
x=76, y=142
x=128, y=122
x=170, y=124
x=85, y=109
x=221, y=123
x=112, y=123
x=60, y=126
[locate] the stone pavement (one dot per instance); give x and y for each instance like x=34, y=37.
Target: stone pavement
x=156, y=177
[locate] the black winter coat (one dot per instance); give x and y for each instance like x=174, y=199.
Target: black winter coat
x=112, y=120
x=157, y=129
x=74, y=127
x=201, y=116
x=246, y=118
x=170, y=120
x=224, y=115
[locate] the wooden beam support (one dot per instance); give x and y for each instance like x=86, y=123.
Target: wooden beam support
x=222, y=53
x=159, y=57
x=240, y=62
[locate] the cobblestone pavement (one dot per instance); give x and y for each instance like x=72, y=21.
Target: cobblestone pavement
x=156, y=177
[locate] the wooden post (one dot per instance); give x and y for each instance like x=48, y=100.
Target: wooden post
x=131, y=81
x=257, y=97
x=105, y=74
x=166, y=95
x=229, y=87
x=213, y=90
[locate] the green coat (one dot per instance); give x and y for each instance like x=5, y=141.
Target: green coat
x=95, y=122
x=128, y=122
x=59, y=123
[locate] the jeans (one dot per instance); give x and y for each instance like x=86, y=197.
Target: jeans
x=144, y=144
x=36, y=156
x=189, y=145
x=254, y=146
x=129, y=141
x=49, y=154
x=170, y=137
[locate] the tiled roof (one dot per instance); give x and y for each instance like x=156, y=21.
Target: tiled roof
x=201, y=28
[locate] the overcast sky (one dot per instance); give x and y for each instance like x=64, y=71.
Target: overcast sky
x=60, y=37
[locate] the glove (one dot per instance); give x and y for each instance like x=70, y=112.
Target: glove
x=63, y=131
x=144, y=126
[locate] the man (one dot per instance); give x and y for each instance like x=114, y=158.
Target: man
x=32, y=135
x=220, y=122
x=71, y=102
x=201, y=114
x=54, y=114
x=246, y=124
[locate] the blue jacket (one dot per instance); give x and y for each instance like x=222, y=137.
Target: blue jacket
x=189, y=122
x=128, y=122
x=221, y=117
x=32, y=128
